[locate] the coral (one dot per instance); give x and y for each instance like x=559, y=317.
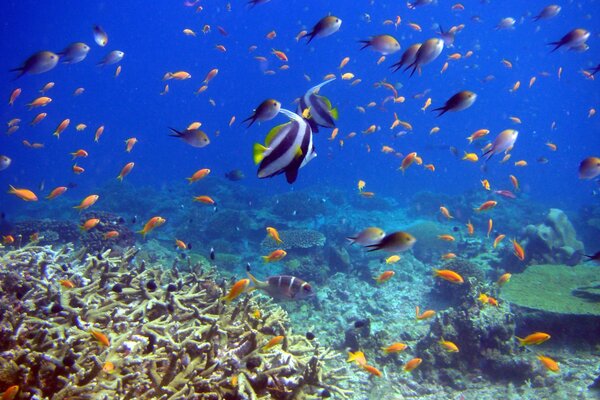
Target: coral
x=171, y=335
x=94, y=240
x=295, y=239
x=553, y=242
x=454, y=294
x=429, y=247
x=49, y=231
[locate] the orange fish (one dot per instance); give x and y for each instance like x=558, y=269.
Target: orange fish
x=129, y=144
x=449, y=346
x=111, y=235
x=372, y=370
x=10, y=393
x=61, y=127
x=407, y=161
x=42, y=101
x=498, y=239
x=8, y=239
x=448, y=275
x=490, y=226
x=535, y=338
x=98, y=133
x=504, y=278
x=100, y=337
x=549, y=363
x=519, y=252
x=445, y=212
x=152, y=223
x=514, y=181
x=271, y=35
x=23, y=194
x=477, y=135
x=13, y=96
x=88, y=202
x=211, y=74
x=108, y=367
x=384, y=277
x=274, y=234
x=273, y=342
x=470, y=228
x=412, y=364
x=425, y=315
x=201, y=173
x=448, y=256
x=125, y=171
x=180, y=244
x=79, y=153
x=204, y=199
x=447, y=238
x=275, y=255
x=38, y=118
x=280, y=54
x=77, y=169
x=237, y=289
x=358, y=357
x=66, y=283
x=89, y=224
x=394, y=348
x=487, y=205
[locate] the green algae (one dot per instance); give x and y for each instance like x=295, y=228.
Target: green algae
x=550, y=288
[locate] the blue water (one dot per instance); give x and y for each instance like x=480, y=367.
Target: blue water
x=150, y=34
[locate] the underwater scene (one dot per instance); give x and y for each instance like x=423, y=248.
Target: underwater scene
x=284, y=199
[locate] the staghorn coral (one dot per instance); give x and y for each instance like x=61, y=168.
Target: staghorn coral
x=94, y=239
x=171, y=336
x=50, y=231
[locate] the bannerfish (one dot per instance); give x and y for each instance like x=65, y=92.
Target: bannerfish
x=408, y=57
x=283, y=287
x=74, y=53
x=394, y=242
x=266, y=111
x=288, y=147
x=193, y=137
x=320, y=111
x=325, y=27
x=38, y=63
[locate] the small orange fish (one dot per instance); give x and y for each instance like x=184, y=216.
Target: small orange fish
x=180, y=244
x=425, y=315
x=487, y=205
x=504, y=278
x=549, y=363
x=407, y=161
x=273, y=342
x=100, y=337
x=535, y=338
x=358, y=357
x=470, y=228
x=236, y=290
x=66, y=283
x=152, y=223
x=8, y=239
x=280, y=54
x=367, y=194
x=385, y=276
x=90, y=224
x=200, y=174
x=42, y=101
x=449, y=256
x=38, y=118
x=518, y=250
x=271, y=35
x=490, y=225
x=88, y=202
x=414, y=26
x=514, y=181
x=129, y=143
x=498, y=239
x=205, y=200
x=447, y=238
x=23, y=194
x=98, y=133
x=61, y=127
x=448, y=275
x=272, y=232
x=394, y=348
x=372, y=370
x=344, y=61
x=77, y=169
x=551, y=146
x=516, y=86
x=111, y=235
x=521, y=163
x=412, y=364
x=10, y=393
x=449, y=346
x=13, y=96
x=445, y=212
x=79, y=153
x=210, y=75
x=275, y=255
x=108, y=367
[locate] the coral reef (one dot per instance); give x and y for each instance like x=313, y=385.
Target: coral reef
x=295, y=239
x=49, y=231
x=552, y=242
x=429, y=247
x=455, y=295
x=75, y=325
x=94, y=239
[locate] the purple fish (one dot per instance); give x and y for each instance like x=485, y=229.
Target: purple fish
x=506, y=193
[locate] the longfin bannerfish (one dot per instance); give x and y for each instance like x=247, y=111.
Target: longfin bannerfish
x=321, y=111
x=287, y=148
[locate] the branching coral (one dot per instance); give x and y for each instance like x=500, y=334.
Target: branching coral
x=168, y=334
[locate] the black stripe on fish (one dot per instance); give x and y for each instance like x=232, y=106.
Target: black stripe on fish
x=291, y=172
x=320, y=111
x=279, y=154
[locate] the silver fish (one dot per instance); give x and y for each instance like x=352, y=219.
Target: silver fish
x=193, y=137
x=38, y=63
x=283, y=287
x=100, y=36
x=74, y=53
x=505, y=140
x=112, y=58
x=4, y=162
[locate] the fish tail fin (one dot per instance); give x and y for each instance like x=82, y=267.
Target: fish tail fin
x=258, y=152
x=521, y=341
x=257, y=284
x=417, y=312
x=310, y=36
x=366, y=43
x=265, y=259
x=335, y=113
x=373, y=247
x=443, y=110
x=556, y=46
x=120, y=178
x=175, y=133
x=488, y=154
x=396, y=66
x=352, y=240
x=251, y=118
x=11, y=189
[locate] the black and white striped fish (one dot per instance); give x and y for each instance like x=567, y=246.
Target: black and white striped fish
x=283, y=287
x=319, y=108
x=288, y=147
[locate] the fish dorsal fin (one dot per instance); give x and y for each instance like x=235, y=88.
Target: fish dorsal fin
x=272, y=133
x=315, y=89
x=258, y=152
x=334, y=113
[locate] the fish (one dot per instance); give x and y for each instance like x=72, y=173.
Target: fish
x=5, y=162
x=505, y=193
x=272, y=232
x=205, y=199
x=288, y=147
x=357, y=357
x=548, y=363
x=38, y=63
x=89, y=224
x=100, y=337
x=125, y=171
x=193, y=137
x=108, y=367
x=472, y=157
x=427, y=53
x=74, y=53
x=448, y=275
x=392, y=259
x=384, y=44
x=265, y=111
x=326, y=26
x=372, y=370
x=110, y=235
x=196, y=176
x=408, y=57
x=368, y=236
x=384, y=277
x=506, y=23
x=152, y=223
x=486, y=205
x=321, y=112
x=235, y=175
x=283, y=287
x=273, y=342
x=449, y=346
x=594, y=257
x=548, y=12
x=8, y=239
x=445, y=212
x=274, y=256
x=394, y=242
x=113, y=57
x=13, y=96
x=394, y=348
x=458, y=102
x=100, y=36
x=41, y=101
x=498, y=239
x=518, y=250
x=10, y=393
x=589, y=168
x=572, y=40
x=470, y=228
x=447, y=238
x=412, y=364
x=535, y=339
x=23, y=194
x=478, y=135
x=87, y=202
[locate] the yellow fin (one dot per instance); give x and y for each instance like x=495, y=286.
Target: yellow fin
x=326, y=101
x=334, y=113
x=299, y=152
x=258, y=152
x=272, y=133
